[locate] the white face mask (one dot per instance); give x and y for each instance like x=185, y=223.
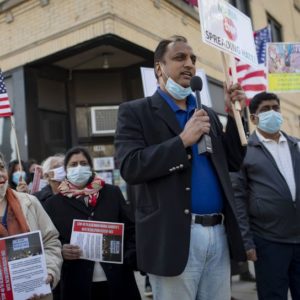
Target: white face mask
x=59, y=174
x=79, y=175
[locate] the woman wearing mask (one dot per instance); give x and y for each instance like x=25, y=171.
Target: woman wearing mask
x=54, y=173
x=21, y=213
x=85, y=196
x=16, y=175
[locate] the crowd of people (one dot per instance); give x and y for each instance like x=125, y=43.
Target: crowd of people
x=194, y=213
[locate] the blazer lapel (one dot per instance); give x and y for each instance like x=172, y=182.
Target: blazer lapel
x=253, y=140
x=164, y=111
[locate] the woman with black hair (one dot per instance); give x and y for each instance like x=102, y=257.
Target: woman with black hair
x=85, y=196
x=17, y=176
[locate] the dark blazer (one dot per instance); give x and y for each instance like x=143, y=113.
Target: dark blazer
x=263, y=199
x=76, y=277
x=152, y=157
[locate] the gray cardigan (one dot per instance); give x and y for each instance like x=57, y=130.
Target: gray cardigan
x=263, y=200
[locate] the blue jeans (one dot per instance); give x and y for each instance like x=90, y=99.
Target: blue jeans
x=207, y=273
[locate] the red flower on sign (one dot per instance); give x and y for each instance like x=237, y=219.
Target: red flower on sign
x=230, y=29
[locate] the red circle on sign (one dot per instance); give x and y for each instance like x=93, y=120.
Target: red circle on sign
x=230, y=29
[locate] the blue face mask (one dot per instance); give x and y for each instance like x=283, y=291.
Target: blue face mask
x=176, y=90
x=16, y=177
x=79, y=175
x=270, y=121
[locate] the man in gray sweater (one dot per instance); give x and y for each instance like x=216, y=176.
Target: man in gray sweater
x=267, y=195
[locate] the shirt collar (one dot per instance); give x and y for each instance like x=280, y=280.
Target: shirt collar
x=262, y=139
x=190, y=101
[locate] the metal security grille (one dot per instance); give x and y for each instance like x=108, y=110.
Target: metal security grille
x=104, y=119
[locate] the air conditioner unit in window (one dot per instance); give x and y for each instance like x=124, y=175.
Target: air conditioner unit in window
x=104, y=120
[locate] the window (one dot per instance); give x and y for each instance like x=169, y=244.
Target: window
x=242, y=5
x=275, y=29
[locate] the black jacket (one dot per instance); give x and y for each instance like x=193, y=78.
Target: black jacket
x=76, y=277
x=45, y=193
x=263, y=199
x=153, y=159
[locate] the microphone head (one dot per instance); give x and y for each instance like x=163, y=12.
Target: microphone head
x=196, y=83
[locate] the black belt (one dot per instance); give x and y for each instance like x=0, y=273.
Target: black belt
x=208, y=220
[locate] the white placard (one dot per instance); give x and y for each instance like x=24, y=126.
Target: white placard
x=99, y=241
x=226, y=28
x=104, y=163
x=150, y=84
x=23, y=270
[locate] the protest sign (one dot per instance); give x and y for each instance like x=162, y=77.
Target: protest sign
x=99, y=241
x=283, y=66
x=23, y=270
x=226, y=28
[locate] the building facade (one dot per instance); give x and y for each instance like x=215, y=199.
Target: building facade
x=69, y=64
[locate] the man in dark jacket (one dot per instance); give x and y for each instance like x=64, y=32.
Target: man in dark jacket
x=268, y=201
x=182, y=196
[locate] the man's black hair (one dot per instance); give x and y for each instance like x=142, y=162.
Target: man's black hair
x=162, y=48
x=259, y=98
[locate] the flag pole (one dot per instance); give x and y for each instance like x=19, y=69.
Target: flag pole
x=236, y=112
x=232, y=66
x=16, y=142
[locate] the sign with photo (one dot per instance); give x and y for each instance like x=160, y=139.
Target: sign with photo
x=23, y=270
x=99, y=241
x=283, y=65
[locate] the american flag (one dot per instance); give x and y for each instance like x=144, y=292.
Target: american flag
x=5, y=109
x=254, y=79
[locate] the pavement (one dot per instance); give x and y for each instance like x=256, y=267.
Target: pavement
x=241, y=290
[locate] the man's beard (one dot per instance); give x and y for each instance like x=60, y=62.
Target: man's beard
x=3, y=189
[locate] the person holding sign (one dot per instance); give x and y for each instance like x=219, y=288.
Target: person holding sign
x=17, y=177
x=84, y=196
x=268, y=201
x=21, y=213
x=184, y=198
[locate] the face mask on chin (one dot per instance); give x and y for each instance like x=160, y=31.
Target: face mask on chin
x=270, y=121
x=177, y=91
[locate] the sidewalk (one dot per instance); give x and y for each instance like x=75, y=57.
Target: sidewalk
x=240, y=290
x=243, y=290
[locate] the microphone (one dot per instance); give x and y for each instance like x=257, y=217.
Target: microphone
x=204, y=144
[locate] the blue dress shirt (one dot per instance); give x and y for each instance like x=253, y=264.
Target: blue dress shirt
x=207, y=196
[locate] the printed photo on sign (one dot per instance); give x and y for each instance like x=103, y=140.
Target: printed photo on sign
x=283, y=65
x=99, y=241
x=23, y=270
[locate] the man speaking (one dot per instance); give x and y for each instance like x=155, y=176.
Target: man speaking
x=184, y=199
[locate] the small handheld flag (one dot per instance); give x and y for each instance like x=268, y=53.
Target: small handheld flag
x=5, y=108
